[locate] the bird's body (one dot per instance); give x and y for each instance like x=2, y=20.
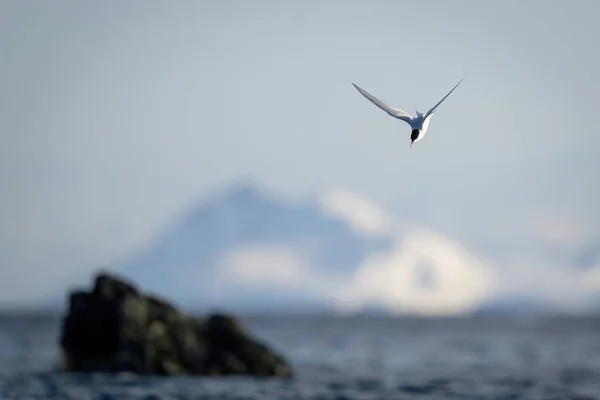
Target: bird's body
x=418, y=124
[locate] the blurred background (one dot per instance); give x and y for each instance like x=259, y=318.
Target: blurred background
x=216, y=154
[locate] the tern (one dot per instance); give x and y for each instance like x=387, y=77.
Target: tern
x=419, y=124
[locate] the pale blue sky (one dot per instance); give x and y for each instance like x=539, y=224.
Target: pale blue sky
x=115, y=116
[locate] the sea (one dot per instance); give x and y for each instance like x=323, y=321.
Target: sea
x=342, y=358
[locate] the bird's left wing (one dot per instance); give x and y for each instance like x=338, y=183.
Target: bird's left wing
x=394, y=112
x=428, y=113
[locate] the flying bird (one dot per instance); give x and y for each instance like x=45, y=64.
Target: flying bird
x=419, y=124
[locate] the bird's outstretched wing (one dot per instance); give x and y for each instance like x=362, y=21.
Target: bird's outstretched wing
x=394, y=112
x=430, y=112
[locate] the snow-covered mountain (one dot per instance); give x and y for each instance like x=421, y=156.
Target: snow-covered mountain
x=245, y=249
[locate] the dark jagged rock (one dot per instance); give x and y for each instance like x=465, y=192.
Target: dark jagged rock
x=116, y=328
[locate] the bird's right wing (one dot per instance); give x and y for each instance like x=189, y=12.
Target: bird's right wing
x=394, y=112
x=432, y=110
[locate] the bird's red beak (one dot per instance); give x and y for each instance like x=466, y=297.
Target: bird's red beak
x=411, y=142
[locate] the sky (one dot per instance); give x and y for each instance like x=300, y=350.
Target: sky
x=116, y=116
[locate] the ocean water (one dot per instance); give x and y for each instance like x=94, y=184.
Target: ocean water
x=344, y=358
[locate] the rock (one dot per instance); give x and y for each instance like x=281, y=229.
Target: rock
x=115, y=328
x=230, y=352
